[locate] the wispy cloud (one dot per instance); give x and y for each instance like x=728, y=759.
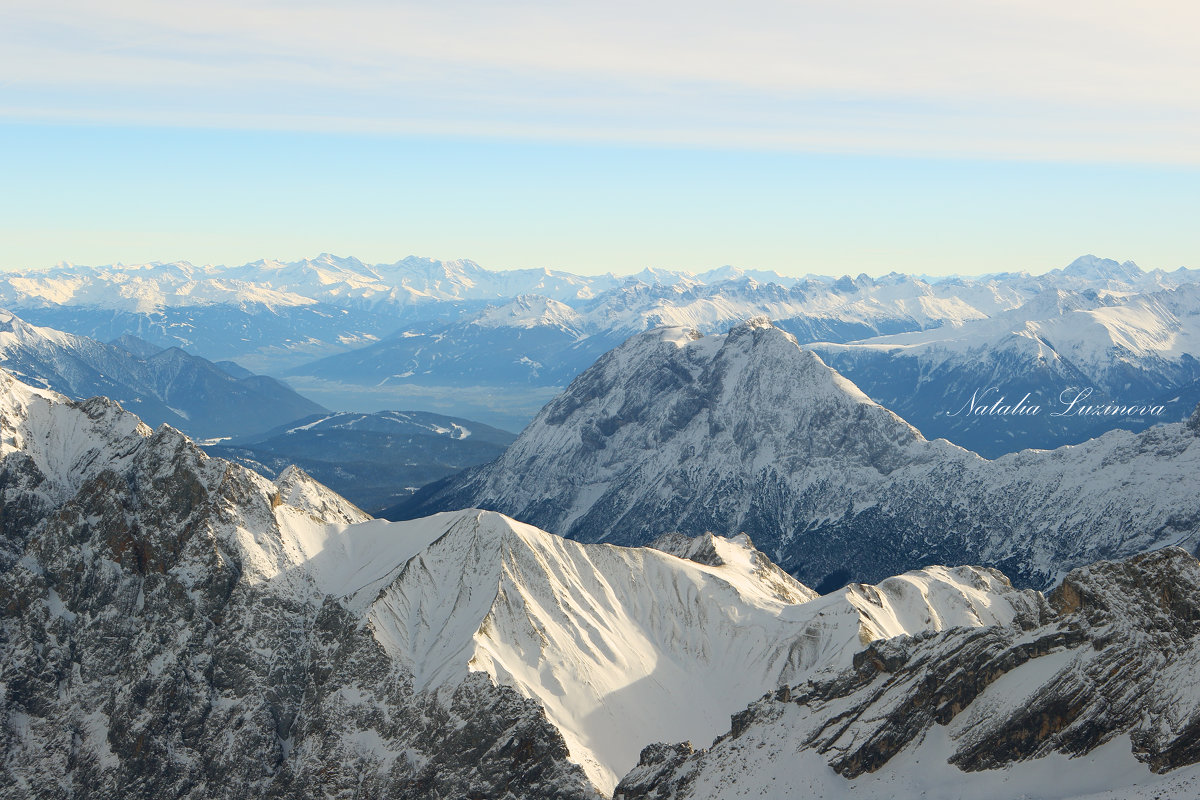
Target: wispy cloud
x=1101, y=81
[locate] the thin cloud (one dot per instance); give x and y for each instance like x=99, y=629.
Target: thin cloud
x=1095, y=81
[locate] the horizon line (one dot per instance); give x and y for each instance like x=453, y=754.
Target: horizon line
x=694, y=272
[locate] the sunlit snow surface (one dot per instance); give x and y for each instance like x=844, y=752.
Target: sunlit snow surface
x=610, y=640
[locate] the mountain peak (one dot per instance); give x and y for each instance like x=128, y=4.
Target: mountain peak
x=669, y=411
x=529, y=311
x=1094, y=268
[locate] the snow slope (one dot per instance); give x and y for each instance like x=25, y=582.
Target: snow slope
x=610, y=639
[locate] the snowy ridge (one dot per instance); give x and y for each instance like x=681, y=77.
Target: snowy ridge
x=610, y=639
x=1163, y=324
x=68, y=444
x=60, y=446
x=529, y=311
x=352, y=283
x=326, y=278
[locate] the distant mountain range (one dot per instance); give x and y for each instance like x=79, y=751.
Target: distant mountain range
x=376, y=460
x=1137, y=350
x=466, y=341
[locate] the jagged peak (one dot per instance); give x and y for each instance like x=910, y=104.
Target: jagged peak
x=297, y=489
x=754, y=323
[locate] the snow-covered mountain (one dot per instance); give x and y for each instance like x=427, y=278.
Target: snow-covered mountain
x=374, y=460
x=1134, y=346
x=537, y=339
x=167, y=631
x=169, y=385
x=173, y=623
x=1129, y=351
x=1094, y=695
x=747, y=431
x=326, y=279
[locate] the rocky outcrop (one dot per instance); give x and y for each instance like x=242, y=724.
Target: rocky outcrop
x=1110, y=654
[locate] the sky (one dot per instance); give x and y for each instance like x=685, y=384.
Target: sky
x=831, y=137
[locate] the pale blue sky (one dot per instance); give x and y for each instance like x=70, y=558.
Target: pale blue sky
x=800, y=136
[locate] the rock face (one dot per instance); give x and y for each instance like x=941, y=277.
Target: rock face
x=748, y=432
x=1107, y=660
x=163, y=633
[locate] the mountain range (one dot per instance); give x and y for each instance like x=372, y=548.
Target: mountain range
x=1137, y=351
x=176, y=625
x=462, y=340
